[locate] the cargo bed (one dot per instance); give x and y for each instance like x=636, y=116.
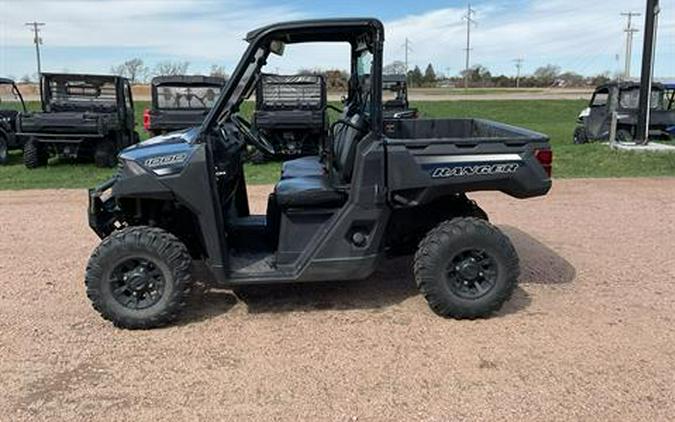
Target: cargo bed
x=428, y=158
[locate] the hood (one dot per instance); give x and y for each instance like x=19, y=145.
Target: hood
x=163, y=155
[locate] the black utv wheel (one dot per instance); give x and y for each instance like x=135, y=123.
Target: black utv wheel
x=580, y=137
x=466, y=268
x=4, y=156
x=105, y=153
x=624, y=136
x=257, y=157
x=139, y=277
x=35, y=154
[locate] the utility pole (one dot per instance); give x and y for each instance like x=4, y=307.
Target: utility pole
x=469, y=21
x=519, y=65
x=37, y=40
x=408, y=49
x=648, y=50
x=629, y=41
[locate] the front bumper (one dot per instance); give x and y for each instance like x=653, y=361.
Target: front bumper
x=102, y=209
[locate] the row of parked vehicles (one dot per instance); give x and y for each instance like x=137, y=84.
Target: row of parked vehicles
x=91, y=117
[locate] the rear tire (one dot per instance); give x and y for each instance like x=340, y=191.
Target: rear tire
x=624, y=136
x=258, y=157
x=105, y=154
x=4, y=150
x=580, y=136
x=466, y=268
x=35, y=154
x=139, y=277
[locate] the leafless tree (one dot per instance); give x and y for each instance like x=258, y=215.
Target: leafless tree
x=169, y=68
x=219, y=71
x=394, y=68
x=134, y=69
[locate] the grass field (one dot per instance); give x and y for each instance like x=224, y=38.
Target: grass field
x=555, y=118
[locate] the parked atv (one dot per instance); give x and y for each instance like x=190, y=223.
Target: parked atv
x=594, y=122
x=291, y=113
x=373, y=192
x=397, y=107
x=11, y=104
x=180, y=102
x=83, y=117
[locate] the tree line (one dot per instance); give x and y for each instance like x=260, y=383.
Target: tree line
x=477, y=76
x=137, y=72
x=480, y=76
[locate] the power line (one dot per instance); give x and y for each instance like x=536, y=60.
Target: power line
x=519, y=65
x=469, y=21
x=37, y=40
x=629, y=30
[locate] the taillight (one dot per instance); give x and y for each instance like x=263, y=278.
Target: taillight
x=545, y=158
x=146, y=119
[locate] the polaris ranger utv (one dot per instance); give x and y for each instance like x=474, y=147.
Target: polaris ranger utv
x=82, y=117
x=180, y=102
x=397, y=107
x=593, y=123
x=11, y=104
x=381, y=187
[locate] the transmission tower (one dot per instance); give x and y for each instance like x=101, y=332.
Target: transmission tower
x=37, y=40
x=469, y=21
x=630, y=31
x=519, y=66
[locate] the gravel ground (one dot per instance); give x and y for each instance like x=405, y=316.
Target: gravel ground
x=589, y=334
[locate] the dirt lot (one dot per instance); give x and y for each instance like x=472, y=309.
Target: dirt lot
x=590, y=334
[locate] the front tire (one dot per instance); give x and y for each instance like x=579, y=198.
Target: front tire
x=105, y=154
x=35, y=154
x=580, y=136
x=466, y=268
x=4, y=150
x=624, y=136
x=139, y=277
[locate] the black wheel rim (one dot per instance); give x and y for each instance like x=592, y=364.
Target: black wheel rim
x=137, y=283
x=472, y=274
x=3, y=150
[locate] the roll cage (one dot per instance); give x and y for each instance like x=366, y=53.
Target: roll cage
x=15, y=91
x=360, y=33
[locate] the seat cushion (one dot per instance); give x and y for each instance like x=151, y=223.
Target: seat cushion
x=299, y=192
x=303, y=167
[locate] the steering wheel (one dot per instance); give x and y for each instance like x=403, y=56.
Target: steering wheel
x=255, y=139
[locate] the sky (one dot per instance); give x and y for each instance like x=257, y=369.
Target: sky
x=90, y=36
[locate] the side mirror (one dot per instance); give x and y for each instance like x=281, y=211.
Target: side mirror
x=277, y=47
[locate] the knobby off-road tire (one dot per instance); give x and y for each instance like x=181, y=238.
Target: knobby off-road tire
x=624, y=136
x=256, y=157
x=466, y=268
x=4, y=150
x=105, y=153
x=35, y=154
x=139, y=277
x=580, y=136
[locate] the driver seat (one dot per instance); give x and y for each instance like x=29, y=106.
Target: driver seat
x=316, y=189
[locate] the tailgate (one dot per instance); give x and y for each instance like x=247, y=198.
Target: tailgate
x=171, y=120
x=65, y=122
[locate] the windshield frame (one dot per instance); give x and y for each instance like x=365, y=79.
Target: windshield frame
x=299, y=32
x=14, y=89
